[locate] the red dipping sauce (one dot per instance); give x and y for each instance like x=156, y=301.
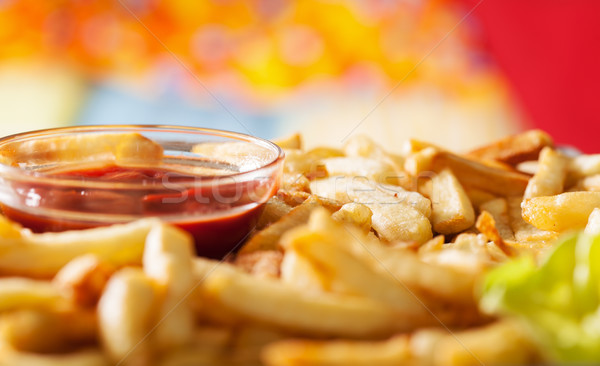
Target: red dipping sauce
x=218, y=213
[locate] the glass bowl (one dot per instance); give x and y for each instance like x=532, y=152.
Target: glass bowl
x=211, y=183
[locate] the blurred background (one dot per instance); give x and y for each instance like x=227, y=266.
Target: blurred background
x=459, y=73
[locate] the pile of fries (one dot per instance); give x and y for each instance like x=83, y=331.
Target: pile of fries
x=364, y=257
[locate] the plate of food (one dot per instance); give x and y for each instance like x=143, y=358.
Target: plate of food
x=350, y=255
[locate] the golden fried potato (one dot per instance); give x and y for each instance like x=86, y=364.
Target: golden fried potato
x=566, y=211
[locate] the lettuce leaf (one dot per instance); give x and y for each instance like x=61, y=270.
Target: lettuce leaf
x=559, y=299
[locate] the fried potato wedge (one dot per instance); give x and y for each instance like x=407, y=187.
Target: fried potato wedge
x=550, y=176
x=452, y=210
x=523, y=230
x=43, y=255
x=514, y=149
x=565, y=211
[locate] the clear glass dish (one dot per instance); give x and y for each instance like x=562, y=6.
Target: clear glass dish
x=211, y=183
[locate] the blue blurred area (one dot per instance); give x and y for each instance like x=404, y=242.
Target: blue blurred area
x=107, y=104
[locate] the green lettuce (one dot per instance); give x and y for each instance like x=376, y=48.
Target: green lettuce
x=559, y=298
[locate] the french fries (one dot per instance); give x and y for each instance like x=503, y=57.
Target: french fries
x=267, y=301
x=397, y=215
x=550, y=176
x=168, y=261
x=514, y=149
x=43, y=255
x=342, y=269
x=268, y=239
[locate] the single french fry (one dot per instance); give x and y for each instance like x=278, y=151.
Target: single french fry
x=392, y=352
x=128, y=148
x=584, y=166
x=452, y=210
x=487, y=226
x=591, y=183
x=474, y=174
x=18, y=292
x=168, y=261
x=400, y=222
x=550, y=176
x=514, y=149
x=593, y=224
x=420, y=161
x=498, y=208
x=566, y=211
x=268, y=239
x=523, y=230
x=293, y=141
x=43, y=255
x=125, y=316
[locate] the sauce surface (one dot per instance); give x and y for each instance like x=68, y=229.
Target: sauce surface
x=218, y=216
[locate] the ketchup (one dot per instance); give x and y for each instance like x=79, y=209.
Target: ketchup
x=219, y=217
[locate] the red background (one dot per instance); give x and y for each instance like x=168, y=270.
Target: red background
x=550, y=52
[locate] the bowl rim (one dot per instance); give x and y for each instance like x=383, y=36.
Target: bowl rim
x=7, y=171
